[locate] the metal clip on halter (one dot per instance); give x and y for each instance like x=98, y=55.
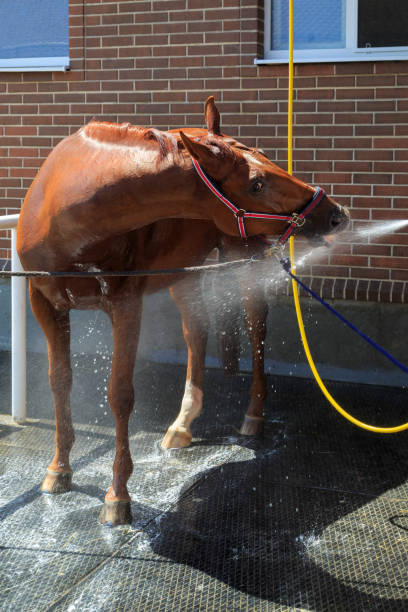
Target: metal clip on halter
x=297, y=220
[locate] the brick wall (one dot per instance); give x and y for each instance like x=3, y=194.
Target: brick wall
x=155, y=62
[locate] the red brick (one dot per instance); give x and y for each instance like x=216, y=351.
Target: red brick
x=401, y=251
x=334, y=154
x=352, y=190
x=376, y=105
x=348, y=260
x=390, y=215
x=354, y=94
x=169, y=28
x=400, y=275
x=392, y=92
x=353, y=118
x=401, y=179
x=333, y=177
x=391, y=118
x=335, y=130
x=314, y=69
x=401, y=203
x=356, y=143
x=401, y=130
x=354, y=68
x=315, y=94
x=371, y=273
x=373, y=130
x=393, y=143
x=332, y=106
x=336, y=81
x=373, y=154
x=375, y=80
x=391, y=67
x=390, y=262
x=352, y=166
x=187, y=16
x=372, y=249
x=370, y=178
x=371, y=202
x=24, y=152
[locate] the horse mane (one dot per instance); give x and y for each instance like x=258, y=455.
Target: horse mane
x=128, y=135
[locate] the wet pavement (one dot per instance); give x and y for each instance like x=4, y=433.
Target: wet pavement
x=312, y=516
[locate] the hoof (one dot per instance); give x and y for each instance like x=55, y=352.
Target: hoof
x=115, y=513
x=176, y=439
x=57, y=482
x=252, y=426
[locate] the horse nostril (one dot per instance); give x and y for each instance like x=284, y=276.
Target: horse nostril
x=339, y=218
x=335, y=220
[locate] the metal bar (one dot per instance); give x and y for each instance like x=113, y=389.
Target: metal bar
x=18, y=336
x=8, y=221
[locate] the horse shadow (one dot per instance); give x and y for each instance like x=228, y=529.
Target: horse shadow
x=287, y=538
x=308, y=521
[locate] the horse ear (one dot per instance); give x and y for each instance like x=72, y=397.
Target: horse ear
x=204, y=153
x=215, y=157
x=212, y=116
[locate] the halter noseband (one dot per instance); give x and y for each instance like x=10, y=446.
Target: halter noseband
x=295, y=219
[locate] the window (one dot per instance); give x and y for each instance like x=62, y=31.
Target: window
x=337, y=30
x=33, y=35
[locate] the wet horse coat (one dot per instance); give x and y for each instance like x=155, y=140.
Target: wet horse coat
x=88, y=209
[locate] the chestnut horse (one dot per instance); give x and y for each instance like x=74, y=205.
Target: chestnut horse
x=87, y=210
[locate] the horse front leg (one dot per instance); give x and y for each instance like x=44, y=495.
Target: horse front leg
x=56, y=328
x=188, y=298
x=256, y=308
x=126, y=326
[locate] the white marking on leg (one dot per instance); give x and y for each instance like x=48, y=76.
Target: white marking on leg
x=190, y=408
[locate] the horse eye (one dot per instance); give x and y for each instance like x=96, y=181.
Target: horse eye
x=257, y=186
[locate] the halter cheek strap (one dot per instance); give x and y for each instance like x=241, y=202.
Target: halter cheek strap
x=295, y=219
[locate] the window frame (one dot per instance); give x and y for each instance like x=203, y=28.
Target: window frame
x=350, y=53
x=37, y=64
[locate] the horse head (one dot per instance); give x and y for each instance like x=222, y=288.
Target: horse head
x=264, y=197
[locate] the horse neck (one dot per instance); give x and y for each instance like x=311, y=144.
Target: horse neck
x=173, y=192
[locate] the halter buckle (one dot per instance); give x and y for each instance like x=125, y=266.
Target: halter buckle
x=240, y=212
x=296, y=220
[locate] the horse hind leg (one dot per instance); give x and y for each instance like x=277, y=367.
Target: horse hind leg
x=256, y=309
x=179, y=433
x=188, y=298
x=56, y=328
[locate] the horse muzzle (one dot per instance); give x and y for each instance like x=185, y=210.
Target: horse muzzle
x=339, y=219
x=320, y=231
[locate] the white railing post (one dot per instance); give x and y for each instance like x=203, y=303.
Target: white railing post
x=18, y=337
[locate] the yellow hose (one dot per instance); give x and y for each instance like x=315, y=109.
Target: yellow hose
x=346, y=415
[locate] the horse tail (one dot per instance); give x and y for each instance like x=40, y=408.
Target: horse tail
x=227, y=313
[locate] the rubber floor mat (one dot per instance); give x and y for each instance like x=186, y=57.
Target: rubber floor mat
x=312, y=516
